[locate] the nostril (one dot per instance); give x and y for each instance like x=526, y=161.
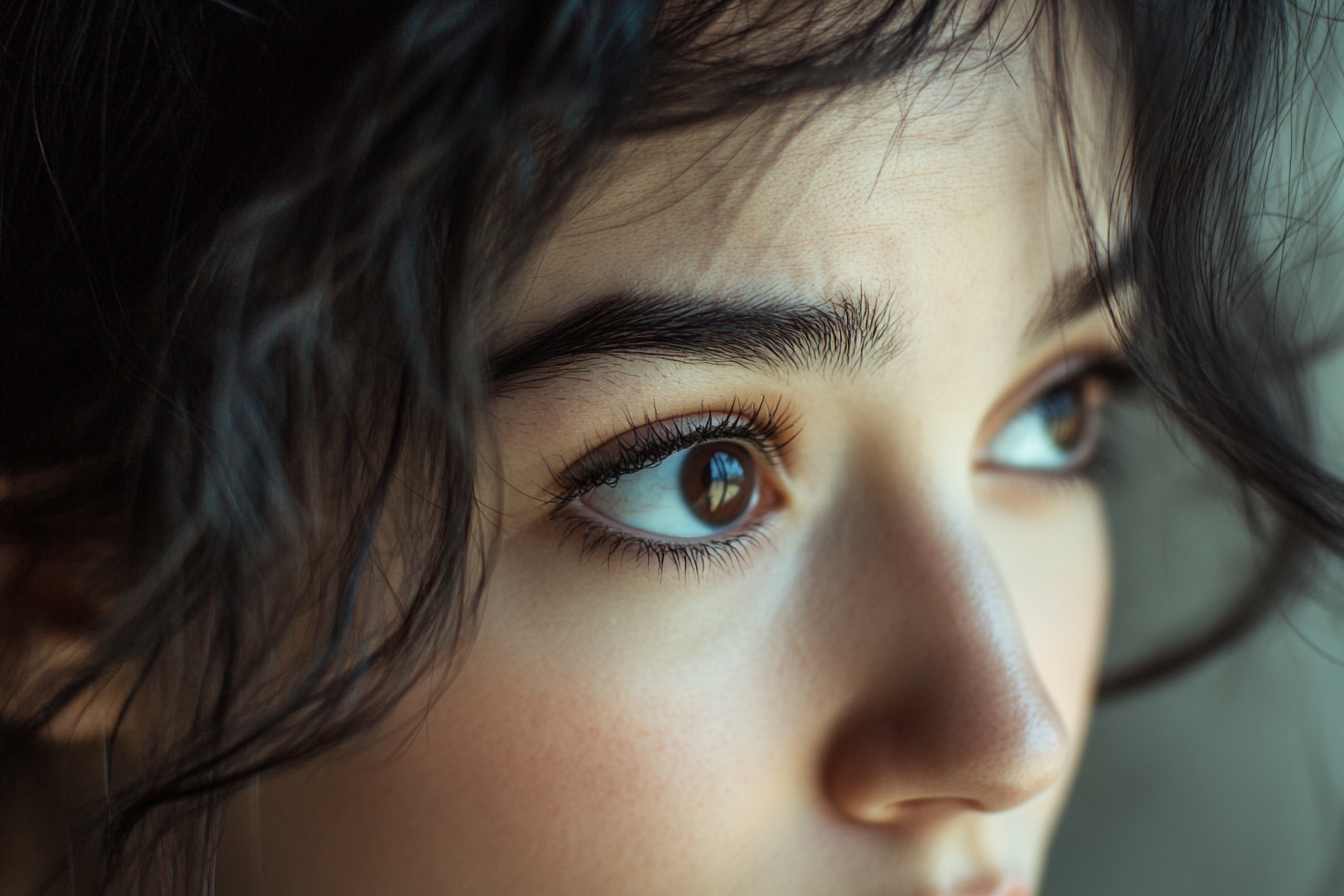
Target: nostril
x=919, y=812
x=994, y=885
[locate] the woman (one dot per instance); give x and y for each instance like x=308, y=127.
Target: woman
x=600, y=447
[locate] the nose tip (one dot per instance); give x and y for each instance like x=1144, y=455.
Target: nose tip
x=1036, y=759
x=948, y=711
x=931, y=758
x=959, y=715
x=1010, y=740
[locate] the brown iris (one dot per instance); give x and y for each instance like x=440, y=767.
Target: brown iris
x=1064, y=415
x=718, y=480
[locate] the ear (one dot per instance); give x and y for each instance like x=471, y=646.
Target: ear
x=50, y=613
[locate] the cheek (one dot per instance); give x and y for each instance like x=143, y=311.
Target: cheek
x=569, y=762
x=548, y=770
x=1054, y=557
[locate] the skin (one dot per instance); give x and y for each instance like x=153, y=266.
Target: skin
x=887, y=692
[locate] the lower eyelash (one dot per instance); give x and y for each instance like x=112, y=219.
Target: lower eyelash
x=694, y=558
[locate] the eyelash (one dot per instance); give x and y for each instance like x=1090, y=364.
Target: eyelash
x=767, y=426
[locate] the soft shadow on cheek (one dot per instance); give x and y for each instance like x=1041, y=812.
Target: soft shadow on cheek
x=588, y=754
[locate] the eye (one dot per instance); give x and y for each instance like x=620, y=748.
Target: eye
x=1055, y=432
x=692, y=493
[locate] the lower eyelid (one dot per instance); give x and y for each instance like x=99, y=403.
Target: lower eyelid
x=599, y=539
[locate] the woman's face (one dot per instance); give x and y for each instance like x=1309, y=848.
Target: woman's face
x=800, y=581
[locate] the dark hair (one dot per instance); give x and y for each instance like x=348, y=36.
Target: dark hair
x=249, y=253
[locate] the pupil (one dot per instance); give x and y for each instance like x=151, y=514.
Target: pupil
x=718, y=481
x=1064, y=416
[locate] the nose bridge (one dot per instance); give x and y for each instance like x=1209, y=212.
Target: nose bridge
x=947, y=704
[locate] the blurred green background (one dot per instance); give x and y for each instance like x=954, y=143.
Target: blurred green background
x=1229, y=779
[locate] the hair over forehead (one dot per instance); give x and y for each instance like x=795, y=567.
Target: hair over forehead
x=712, y=57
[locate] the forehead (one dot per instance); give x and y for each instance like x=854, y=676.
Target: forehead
x=886, y=190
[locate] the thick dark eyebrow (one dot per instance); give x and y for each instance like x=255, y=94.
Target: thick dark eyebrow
x=768, y=332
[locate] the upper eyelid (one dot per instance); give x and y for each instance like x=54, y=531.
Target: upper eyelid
x=767, y=426
x=581, y=474
x=1107, y=362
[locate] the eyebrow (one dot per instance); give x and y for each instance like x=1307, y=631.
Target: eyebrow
x=770, y=332
x=1080, y=292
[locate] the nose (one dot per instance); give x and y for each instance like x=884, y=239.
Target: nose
x=950, y=710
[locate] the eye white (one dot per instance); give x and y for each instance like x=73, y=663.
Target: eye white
x=1026, y=441
x=652, y=501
